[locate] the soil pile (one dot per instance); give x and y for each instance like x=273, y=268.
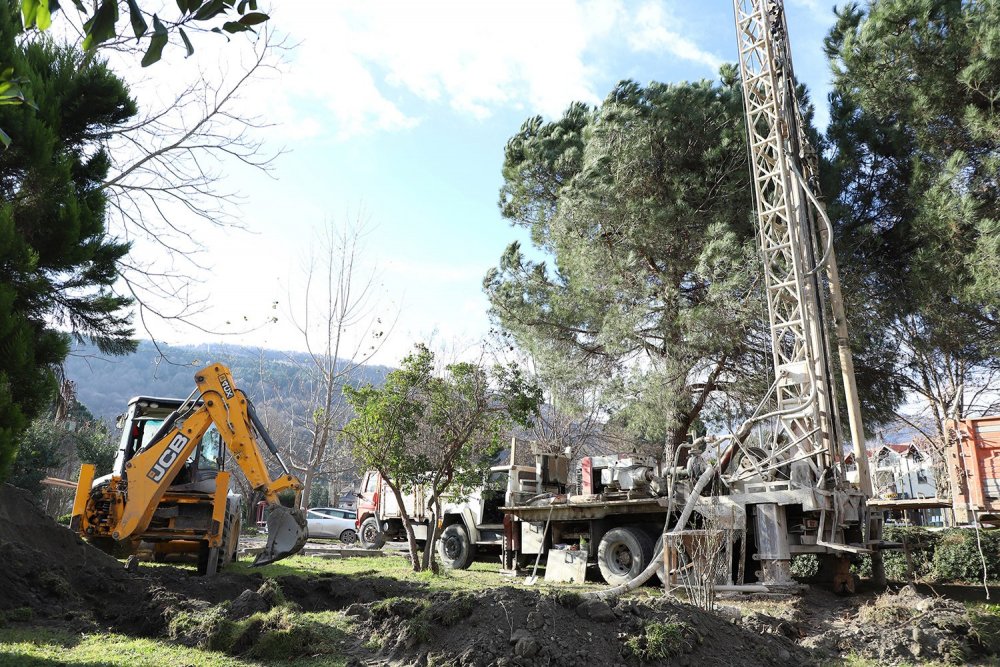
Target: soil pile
x=51, y=574
x=903, y=628
x=511, y=626
x=47, y=568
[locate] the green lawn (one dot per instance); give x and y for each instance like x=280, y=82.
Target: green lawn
x=25, y=643
x=37, y=647
x=481, y=575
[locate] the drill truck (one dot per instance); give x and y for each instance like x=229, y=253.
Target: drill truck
x=169, y=488
x=788, y=493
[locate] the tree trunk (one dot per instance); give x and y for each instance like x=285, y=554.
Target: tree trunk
x=434, y=505
x=408, y=527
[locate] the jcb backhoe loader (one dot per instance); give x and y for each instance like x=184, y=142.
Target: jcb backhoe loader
x=168, y=486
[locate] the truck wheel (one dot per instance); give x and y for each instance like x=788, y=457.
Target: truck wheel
x=455, y=548
x=370, y=536
x=623, y=553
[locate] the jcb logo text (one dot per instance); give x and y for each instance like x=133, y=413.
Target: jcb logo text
x=167, y=458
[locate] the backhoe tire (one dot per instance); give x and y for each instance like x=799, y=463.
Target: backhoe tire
x=230, y=537
x=370, y=535
x=623, y=553
x=455, y=549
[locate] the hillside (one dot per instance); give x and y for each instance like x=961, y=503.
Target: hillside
x=104, y=384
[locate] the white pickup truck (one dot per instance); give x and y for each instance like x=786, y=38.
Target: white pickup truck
x=473, y=523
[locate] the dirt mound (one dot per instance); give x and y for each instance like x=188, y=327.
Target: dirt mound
x=51, y=574
x=902, y=628
x=511, y=626
x=48, y=569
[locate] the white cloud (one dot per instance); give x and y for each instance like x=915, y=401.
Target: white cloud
x=373, y=64
x=812, y=5
x=651, y=33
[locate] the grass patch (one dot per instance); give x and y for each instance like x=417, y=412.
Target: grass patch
x=886, y=610
x=282, y=633
x=482, y=575
x=399, y=606
x=459, y=608
x=985, y=619
x=16, y=615
x=660, y=641
x=44, y=647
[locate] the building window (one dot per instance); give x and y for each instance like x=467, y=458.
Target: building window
x=921, y=476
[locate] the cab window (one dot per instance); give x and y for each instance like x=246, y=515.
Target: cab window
x=210, y=450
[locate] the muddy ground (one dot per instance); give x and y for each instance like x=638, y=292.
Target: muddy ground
x=52, y=578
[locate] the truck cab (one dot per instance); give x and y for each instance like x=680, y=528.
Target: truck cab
x=468, y=523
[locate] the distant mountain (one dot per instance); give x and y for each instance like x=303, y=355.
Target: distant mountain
x=105, y=384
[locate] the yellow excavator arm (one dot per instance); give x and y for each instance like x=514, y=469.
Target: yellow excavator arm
x=129, y=502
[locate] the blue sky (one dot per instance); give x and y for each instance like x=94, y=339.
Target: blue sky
x=398, y=112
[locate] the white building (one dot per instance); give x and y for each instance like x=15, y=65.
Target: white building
x=898, y=471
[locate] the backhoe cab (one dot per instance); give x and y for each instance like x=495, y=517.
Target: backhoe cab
x=169, y=486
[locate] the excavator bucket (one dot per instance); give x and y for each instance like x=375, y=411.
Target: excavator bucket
x=287, y=532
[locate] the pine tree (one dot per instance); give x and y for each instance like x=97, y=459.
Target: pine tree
x=57, y=263
x=642, y=208
x=916, y=136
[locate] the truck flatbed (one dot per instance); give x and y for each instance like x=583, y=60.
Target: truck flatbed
x=587, y=508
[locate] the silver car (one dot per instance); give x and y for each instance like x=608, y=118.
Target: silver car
x=332, y=522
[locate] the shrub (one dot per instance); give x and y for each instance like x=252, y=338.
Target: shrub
x=804, y=566
x=18, y=614
x=921, y=543
x=957, y=556
x=985, y=620
x=660, y=641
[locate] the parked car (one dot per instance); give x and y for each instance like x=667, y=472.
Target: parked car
x=332, y=522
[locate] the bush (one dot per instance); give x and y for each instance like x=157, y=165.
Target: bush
x=949, y=555
x=985, y=620
x=921, y=544
x=804, y=566
x=659, y=642
x=957, y=556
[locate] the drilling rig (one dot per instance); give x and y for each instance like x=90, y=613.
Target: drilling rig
x=814, y=508
x=782, y=487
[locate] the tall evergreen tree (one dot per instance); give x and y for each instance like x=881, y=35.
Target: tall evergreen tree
x=644, y=208
x=57, y=264
x=916, y=136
